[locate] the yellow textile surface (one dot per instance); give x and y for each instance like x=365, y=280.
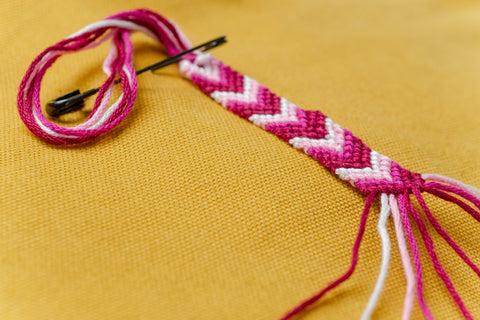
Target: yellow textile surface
x=186, y=211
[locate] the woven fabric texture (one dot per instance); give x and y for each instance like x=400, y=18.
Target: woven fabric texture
x=186, y=211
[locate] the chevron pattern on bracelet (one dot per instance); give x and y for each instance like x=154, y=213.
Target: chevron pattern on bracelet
x=309, y=131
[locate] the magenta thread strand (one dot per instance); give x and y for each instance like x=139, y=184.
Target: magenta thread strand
x=450, y=181
x=402, y=200
x=458, y=191
x=436, y=225
x=445, y=196
x=428, y=242
x=363, y=222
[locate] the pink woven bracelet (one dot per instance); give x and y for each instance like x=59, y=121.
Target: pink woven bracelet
x=312, y=132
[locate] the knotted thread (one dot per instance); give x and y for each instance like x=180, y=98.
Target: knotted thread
x=312, y=132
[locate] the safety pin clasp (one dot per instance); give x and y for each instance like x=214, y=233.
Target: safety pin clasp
x=74, y=100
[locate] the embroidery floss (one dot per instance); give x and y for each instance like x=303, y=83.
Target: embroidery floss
x=334, y=147
x=407, y=266
x=383, y=232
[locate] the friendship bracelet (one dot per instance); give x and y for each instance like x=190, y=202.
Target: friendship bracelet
x=336, y=148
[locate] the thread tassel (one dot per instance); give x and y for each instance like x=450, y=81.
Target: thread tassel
x=428, y=242
x=439, y=229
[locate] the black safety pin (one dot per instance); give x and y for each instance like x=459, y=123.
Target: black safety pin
x=74, y=100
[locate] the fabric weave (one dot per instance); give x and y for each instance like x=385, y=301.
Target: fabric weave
x=185, y=211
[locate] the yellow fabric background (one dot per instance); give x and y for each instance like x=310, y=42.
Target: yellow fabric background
x=186, y=211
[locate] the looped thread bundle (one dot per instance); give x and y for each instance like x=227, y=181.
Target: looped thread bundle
x=119, y=62
x=309, y=131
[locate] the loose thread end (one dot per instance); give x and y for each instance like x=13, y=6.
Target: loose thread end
x=402, y=208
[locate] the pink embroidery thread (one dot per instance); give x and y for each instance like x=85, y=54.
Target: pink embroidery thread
x=410, y=276
x=310, y=131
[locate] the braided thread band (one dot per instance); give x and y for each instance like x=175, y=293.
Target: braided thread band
x=310, y=131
